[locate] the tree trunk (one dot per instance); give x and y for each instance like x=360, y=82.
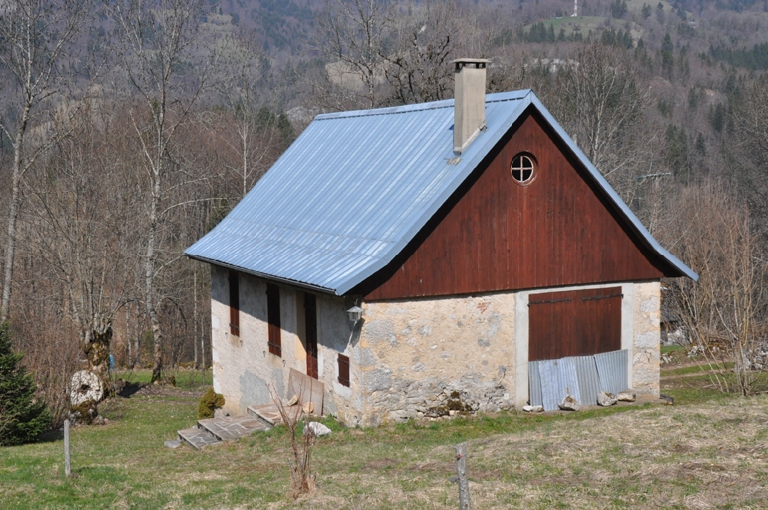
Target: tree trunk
x=96, y=350
x=194, y=317
x=128, y=335
x=13, y=215
x=149, y=277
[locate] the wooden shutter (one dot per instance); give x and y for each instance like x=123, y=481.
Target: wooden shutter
x=310, y=323
x=273, y=318
x=234, y=302
x=344, y=370
x=574, y=323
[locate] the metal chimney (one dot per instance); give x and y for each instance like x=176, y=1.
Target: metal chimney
x=469, y=105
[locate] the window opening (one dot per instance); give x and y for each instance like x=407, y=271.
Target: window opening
x=522, y=169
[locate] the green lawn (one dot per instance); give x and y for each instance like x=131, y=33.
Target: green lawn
x=703, y=451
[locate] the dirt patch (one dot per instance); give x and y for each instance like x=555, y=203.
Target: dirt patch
x=434, y=467
x=377, y=464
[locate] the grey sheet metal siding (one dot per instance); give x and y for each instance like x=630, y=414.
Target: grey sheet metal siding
x=534, y=384
x=612, y=369
x=589, y=382
x=356, y=187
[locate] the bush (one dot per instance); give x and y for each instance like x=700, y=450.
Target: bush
x=22, y=416
x=209, y=403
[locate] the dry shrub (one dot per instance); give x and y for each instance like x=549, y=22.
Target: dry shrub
x=722, y=313
x=51, y=353
x=300, y=463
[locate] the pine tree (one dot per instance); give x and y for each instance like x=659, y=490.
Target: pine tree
x=22, y=417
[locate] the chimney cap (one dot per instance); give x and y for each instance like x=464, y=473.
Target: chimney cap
x=485, y=60
x=459, y=61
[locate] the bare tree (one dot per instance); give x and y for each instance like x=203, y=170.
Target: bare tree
x=245, y=91
x=83, y=213
x=419, y=65
x=599, y=101
x=748, y=143
x=37, y=36
x=722, y=312
x=158, y=41
x=351, y=34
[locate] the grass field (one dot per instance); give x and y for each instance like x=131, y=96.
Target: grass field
x=706, y=451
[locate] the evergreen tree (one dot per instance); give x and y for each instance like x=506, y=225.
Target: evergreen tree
x=22, y=417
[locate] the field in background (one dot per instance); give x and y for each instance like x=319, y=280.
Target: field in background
x=706, y=451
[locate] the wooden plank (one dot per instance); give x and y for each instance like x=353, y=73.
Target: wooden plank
x=307, y=389
x=495, y=234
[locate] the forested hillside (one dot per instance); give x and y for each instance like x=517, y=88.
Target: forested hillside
x=130, y=130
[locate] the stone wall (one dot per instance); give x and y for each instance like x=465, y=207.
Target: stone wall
x=437, y=356
x=646, y=338
x=244, y=369
x=409, y=358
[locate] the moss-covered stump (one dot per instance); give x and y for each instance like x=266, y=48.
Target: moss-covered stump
x=84, y=413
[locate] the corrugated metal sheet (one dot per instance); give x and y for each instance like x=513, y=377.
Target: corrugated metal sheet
x=583, y=377
x=550, y=384
x=569, y=381
x=558, y=378
x=612, y=369
x=589, y=381
x=356, y=187
x=534, y=384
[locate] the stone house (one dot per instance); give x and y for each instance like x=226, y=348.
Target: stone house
x=418, y=259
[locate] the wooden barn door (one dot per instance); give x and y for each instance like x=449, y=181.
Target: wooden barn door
x=310, y=321
x=574, y=323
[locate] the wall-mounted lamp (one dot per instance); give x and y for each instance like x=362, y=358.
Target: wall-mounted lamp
x=355, y=314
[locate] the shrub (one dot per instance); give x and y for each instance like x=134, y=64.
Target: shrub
x=209, y=403
x=22, y=416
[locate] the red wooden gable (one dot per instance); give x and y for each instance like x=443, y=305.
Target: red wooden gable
x=496, y=234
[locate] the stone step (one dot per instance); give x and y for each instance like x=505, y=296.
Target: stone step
x=230, y=428
x=197, y=438
x=269, y=414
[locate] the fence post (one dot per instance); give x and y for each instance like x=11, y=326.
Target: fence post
x=67, y=467
x=461, y=471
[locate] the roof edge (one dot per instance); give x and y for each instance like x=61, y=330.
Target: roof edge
x=514, y=95
x=272, y=278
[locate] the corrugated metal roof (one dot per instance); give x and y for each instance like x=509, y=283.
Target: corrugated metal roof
x=356, y=187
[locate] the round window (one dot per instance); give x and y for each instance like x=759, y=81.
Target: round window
x=522, y=169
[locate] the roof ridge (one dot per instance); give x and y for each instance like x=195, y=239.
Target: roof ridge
x=497, y=97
